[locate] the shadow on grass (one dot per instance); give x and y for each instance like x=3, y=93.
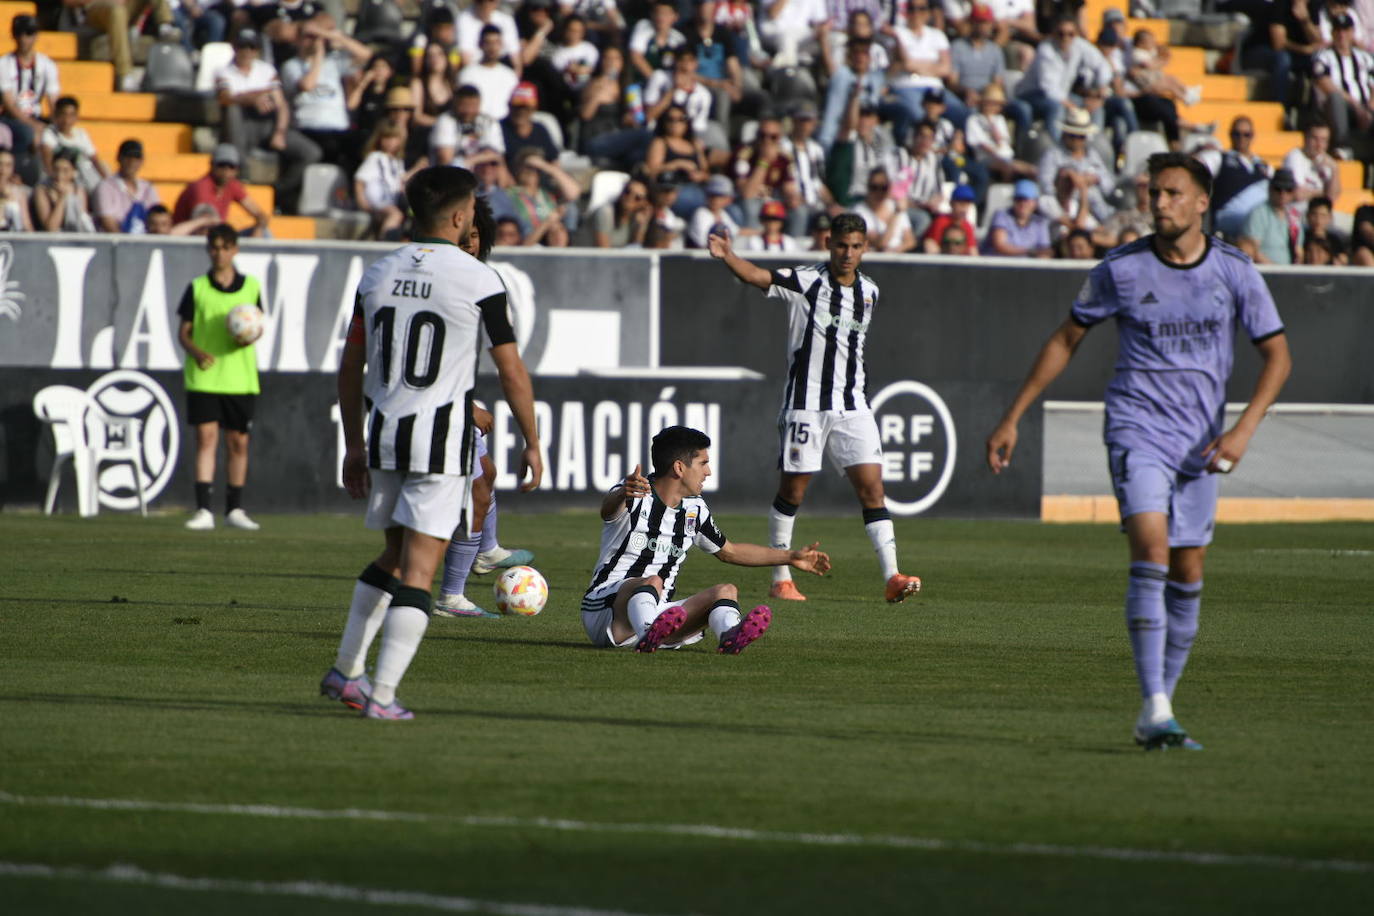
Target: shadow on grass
x=124, y=601
x=257, y=574
x=734, y=728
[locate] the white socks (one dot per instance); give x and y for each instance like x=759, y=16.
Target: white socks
x=365, y=616
x=405, y=627
x=884, y=541
x=723, y=618
x=642, y=609
x=1156, y=709
x=781, y=517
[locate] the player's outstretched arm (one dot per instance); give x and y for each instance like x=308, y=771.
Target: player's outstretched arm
x=519, y=391
x=808, y=559
x=1227, y=449
x=618, y=497
x=350, y=382
x=1054, y=356
x=748, y=271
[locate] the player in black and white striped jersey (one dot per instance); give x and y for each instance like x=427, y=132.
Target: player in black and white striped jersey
x=650, y=524
x=825, y=407
x=422, y=313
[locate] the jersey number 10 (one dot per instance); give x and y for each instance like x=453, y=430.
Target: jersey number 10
x=384, y=322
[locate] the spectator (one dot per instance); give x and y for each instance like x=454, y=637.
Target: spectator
x=714, y=214
x=1313, y=167
x=15, y=197
x=654, y=41
x=1075, y=155
x=436, y=26
x=678, y=158
x=1020, y=231
x=988, y=137
x=367, y=97
x=1240, y=179
x=978, y=63
x=492, y=76
x=432, y=85
x=59, y=201
x=507, y=232
x=220, y=189
x=1018, y=28
x=773, y=217
x=624, y=223
x=1079, y=245
x=960, y=206
x=574, y=57
x=112, y=17
x=27, y=80
x=859, y=81
x=859, y=28
x=718, y=68
x=535, y=24
x=255, y=115
x=519, y=130
x=399, y=112
x=819, y=231
x=122, y=200
x=954, y=240
x=1318, y=252
x=918, y=179
x=314, y=82
x=1332, y=10
x=611, y=134
x=1068, y=207
x=541, y=213
x=199, y=22
x=1137, y=219
x=459, y=135
x=863, y=146
x=681, y=87
x=472, y=22
x=762, y=171
x=602, y=17
x=379, y=183
x=889, y=229
x=1282, y=40
x=1345, y=83
x=160, y=221
x=493, y=180
x=921, y=61
x=1272, y=233
x=958, y=165
x=1155, y=93
x=65, y=133
x=1319, y=228
x=792, y=30
x=666, y=229
x=737, y=16
x=281, y=23
x=808, y=169
x=1362, y=238
x=1062, y=61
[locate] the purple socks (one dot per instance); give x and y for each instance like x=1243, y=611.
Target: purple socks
x=458, y=563
x=1183, y=602
x=1147, y=624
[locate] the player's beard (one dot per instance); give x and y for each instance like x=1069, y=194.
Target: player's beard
x=1169, y=231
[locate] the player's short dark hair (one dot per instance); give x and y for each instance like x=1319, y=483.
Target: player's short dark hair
x=676, y=443
x=224, y=233
x=485, y=224
x=1199, y=172
x=846, y=223
x=67, y=101
x=436, y=190
x=1319, y=202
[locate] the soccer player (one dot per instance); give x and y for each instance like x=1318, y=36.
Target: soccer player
x=1177, y=297
x=650, y=523
x=479, y=554
x=221, y=377
x=824, y=406
x=420, y=317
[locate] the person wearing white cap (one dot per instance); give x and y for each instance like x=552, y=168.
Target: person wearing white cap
x=220, y=189
x=1076, y=155
x=715, y=214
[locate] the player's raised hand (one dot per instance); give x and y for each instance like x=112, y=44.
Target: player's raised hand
x=636, y=485
x=718, y=245
x=533, y=462
x=811, y=559
x=1001, y=444
x=356, y=479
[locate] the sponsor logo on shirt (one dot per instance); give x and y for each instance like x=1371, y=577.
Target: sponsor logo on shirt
x=640, y=541
x=1149, y=299
x=825, y=320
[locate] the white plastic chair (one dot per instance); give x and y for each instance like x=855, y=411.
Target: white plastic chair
x=213, y=57
x=88, y=437
x=606, y=187
x=1000, y=196
x=551, y=124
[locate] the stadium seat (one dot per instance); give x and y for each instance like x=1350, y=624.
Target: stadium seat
x=379, y=21
x=169, y=69
x=321, y=189
x=88, y=437
x=213, y=57
x=606, y=187
x=1140, y=146
x=1000, y=196
x=550, y=122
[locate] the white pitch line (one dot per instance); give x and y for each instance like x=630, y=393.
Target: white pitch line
x=708, y=831
x=317, y=890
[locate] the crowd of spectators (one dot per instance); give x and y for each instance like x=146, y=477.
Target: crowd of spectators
x=975, y=129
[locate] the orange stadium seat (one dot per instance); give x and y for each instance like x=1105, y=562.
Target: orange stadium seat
x=60, y=46
x=157, y=139
x=118, y=106
x=81, y=76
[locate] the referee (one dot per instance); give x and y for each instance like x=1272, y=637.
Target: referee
x=221, y=377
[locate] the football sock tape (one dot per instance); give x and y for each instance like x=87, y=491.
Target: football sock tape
x=377, y=577
x=409, y=596
x=879, y=514
x=784, y=507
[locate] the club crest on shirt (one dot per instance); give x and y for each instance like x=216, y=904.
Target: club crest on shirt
x=785, y=272
x=691, y=523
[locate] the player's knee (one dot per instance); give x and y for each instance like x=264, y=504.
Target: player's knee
x=725, y=592
x=654, y=581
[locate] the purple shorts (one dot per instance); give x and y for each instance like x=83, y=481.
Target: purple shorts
x=1143, y=483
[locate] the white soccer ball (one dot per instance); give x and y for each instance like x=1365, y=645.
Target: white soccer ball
x=245, y=323
x=521, y=591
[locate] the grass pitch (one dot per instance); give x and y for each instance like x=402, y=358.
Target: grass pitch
x=968, y=751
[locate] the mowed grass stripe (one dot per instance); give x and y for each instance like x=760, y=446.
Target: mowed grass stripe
x=706, y=831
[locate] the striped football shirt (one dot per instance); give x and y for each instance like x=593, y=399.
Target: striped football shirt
x=827, y=324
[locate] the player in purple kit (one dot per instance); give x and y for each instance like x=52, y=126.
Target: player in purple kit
x=1178, y=297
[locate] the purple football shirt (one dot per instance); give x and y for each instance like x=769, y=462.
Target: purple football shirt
x=1176, y=327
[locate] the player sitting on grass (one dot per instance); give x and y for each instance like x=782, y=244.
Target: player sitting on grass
x=649, y=525
x=824, y=406
x=480, y=554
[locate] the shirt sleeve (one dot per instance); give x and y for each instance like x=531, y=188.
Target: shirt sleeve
x=787, y=281
x=186, y=310
x=708, y=538
x=1097, y=300
x=1255, y=308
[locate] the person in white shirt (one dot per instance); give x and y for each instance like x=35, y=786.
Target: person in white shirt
x=314, y=82
x=380, y=180
x=791, y=30
x=654, y=41
x=989, y=138
x=473, y=20
x=921, y=61
x=65, y=133
x=1345, y=82
x=773, y=216
x=463, y=134
x=495, y=79
x=1313, y=168
x=681, y=87
x=27, y=80
x=889, y=229
x=573, y=55
x=720, y=194
x=1061, y=61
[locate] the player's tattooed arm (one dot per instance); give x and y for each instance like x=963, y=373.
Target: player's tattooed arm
x=749, y=272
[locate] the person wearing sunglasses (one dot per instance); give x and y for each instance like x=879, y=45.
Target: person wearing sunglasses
x=1240, y=178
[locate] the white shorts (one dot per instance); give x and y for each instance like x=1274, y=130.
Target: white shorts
x=848, y=437
x=598, y=611
x=432, y=504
